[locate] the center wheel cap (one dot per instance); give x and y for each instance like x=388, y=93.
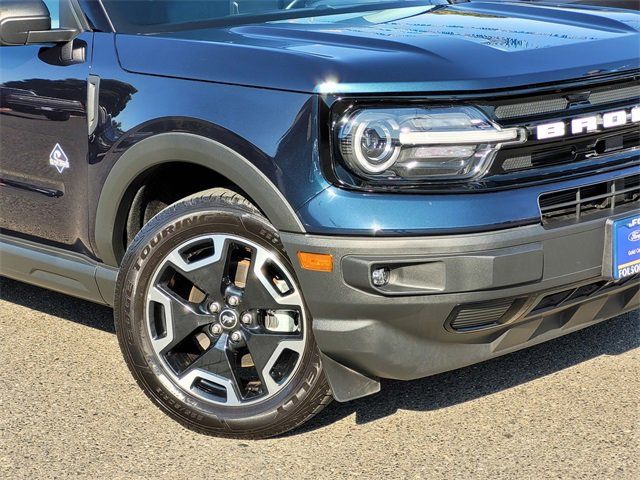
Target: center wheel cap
x=229, y=318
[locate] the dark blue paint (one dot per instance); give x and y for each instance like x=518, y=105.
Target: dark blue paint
x=274, y=129
x=336, y=211
x=42, y=105
x=258, y=89
x=469, y=46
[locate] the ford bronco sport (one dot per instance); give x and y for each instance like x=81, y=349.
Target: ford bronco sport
x=287, y=201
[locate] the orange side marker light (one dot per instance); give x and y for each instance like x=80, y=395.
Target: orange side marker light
x=317, y=262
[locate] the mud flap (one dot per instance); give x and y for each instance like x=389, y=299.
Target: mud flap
x=347, y=384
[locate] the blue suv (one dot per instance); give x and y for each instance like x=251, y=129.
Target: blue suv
x=286, y=201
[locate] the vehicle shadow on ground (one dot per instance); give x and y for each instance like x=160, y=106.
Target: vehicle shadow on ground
x=613, y=337
x=57, y=304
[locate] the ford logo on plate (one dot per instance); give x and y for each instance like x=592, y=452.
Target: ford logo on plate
x=634, y=236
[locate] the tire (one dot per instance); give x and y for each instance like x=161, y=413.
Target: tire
x=235, y=395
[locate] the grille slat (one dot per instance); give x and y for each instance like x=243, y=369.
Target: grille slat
x=599, y=96
x=557, y=208
x=615, y=95
x=518, y=110
x=483, y=315
x=579, y=294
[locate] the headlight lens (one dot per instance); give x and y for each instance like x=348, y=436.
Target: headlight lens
x=374, y=148
x=440, y=143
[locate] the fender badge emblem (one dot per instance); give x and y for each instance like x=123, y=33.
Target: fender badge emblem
x=58, y=158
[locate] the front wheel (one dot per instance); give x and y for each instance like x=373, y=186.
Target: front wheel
x=212, y=322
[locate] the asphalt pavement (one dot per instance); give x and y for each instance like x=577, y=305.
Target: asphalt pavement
x=70, y=409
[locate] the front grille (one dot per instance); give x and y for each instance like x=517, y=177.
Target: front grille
x=570, y=154
x=589, y=201
x=579, y=294
x=481, y=316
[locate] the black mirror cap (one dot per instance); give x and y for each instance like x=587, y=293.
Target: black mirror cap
x=20, y=17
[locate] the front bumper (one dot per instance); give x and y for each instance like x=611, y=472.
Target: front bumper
x=454, y=300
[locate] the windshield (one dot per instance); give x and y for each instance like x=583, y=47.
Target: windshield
x=151, y=16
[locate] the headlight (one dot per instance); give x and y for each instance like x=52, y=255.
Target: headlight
x=440, y=143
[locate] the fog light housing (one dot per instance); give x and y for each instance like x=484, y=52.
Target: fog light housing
x=380, y=276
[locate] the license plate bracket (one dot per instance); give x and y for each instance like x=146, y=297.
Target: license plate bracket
x=622, y=247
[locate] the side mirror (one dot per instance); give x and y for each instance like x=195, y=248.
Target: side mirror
x=28, y=22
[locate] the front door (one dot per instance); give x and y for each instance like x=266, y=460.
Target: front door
x=44, y=140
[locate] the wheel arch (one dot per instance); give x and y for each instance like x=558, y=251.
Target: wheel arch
x=182, y=147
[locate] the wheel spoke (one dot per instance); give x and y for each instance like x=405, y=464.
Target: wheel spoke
x=260, y=293
x=180, y=319
x=266, y=348
x=214, y=365
x=208, y=273
x=215, y=360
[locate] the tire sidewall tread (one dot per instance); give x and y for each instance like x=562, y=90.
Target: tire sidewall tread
x=303, y=396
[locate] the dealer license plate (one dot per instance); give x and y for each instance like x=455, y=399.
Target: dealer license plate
x=625, y=241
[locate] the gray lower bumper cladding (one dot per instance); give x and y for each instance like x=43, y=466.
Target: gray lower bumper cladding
x=453, y=301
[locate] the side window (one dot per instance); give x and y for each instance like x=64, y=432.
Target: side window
x=54, y=10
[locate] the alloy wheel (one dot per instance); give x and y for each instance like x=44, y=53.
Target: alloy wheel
x=226, y=319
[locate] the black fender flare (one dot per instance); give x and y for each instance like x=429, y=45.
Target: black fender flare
x=190, y=148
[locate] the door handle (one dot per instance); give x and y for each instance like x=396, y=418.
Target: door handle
x=93, y=94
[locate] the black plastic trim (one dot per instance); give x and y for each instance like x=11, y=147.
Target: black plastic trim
x=29, y=187
x=57, y=269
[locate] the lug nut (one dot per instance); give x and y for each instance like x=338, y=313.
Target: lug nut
x=246, y=318
x=214, y=307
x=235, y=337
x=233, y=300
x=216, y=329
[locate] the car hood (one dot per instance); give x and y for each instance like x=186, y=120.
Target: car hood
x=467, y=46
